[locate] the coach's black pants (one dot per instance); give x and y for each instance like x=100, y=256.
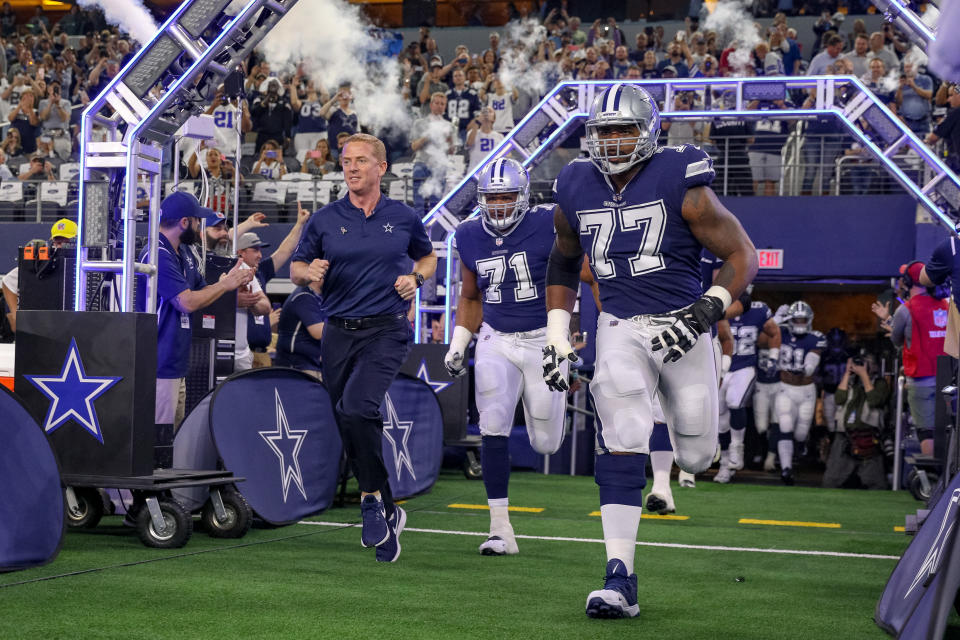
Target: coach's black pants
x=358, y=367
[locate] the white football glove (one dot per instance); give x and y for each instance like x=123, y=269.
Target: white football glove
x=454, y=361
x=557, y=350
x=685, y=325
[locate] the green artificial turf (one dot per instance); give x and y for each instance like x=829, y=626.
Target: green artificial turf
x=315, y=581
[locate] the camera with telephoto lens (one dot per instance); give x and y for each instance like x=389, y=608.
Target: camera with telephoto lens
x=858, y=361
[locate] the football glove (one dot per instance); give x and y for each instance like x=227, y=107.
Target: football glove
x=685, y=326
x=557, y=350
x=454, y=363
x=767, y=364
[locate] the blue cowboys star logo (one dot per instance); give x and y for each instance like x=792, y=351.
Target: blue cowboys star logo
x=72, y=394
x=436, y=385
x=388, y=228
x=280, y=442
x=393, y=425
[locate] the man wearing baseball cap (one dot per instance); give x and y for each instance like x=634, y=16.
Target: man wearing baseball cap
x=181, y=290
x=251, y=301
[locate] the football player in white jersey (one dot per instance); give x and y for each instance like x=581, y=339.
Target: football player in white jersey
x=643, y=214
x=503, y=263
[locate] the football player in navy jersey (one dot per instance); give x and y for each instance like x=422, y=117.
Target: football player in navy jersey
x=642, y=213
x=796, y=401
x=503, y=264
x=740, y=375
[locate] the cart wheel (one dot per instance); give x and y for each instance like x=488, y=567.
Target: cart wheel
x=238, y=520
x=916, y=487
x=179, y=526
x=471, y=467
x=89, y=508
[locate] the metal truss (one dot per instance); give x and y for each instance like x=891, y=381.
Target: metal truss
x=846, y=98
x=124, y=129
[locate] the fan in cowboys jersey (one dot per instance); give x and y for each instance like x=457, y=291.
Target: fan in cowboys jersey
x=739, y=377
x=642, y=213
x=796, y=401
x=503, y=263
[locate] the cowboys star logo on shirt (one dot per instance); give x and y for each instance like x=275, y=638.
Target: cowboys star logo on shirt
x=388, y=228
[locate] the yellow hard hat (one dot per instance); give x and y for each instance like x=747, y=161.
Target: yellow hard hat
x=64, y=228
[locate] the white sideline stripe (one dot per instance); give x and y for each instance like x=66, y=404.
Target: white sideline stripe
x=669, y=545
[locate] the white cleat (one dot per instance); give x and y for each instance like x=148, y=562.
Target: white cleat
x=500, y=543
x=660, y=502
x=770, y=463
x=723, y=475
x=686, y=480
x=736, y=457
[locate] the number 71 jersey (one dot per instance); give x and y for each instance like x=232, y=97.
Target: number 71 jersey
x=511, y=269
x=642, y=252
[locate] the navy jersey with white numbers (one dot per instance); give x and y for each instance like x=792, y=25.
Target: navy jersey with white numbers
x=309, y=119
x=746, y=328
x=642, y=252
x=511, y=269
x=793, y=349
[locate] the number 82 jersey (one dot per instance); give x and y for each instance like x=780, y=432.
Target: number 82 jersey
x=642, y=252
x=511, y=268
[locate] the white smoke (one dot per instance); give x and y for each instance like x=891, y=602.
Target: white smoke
x=916, y=57
x=931, y=16
x=436, y=158
x=130, y=15
x=733, y=23
x=332, y=40
x=517, y=71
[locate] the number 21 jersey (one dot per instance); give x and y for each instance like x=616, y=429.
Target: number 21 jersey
x=642, y=252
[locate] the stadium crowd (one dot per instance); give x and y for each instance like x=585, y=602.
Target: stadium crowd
x=291, y=125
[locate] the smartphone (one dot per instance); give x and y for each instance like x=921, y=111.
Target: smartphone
x=314, y=153
x=271, y=154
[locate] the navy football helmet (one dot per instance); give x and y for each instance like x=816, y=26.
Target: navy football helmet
x=801, y=318
x=620, y=105
x=503, y=175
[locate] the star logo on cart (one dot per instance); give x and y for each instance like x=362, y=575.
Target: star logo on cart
x=931, y=563
x=396, y=430
x=436, y=385
x=285, y=443
x=72, y=394
x=388, y=228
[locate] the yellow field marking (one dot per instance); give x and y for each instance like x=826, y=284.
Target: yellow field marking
x=649, y=516
x=399, y=502
x=790, y=523
x=487, y=507
x=898, y=529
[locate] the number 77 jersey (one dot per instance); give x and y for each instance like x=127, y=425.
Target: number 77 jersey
x=642, y=252
x=511, y=268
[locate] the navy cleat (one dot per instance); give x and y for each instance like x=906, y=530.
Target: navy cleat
x=375, y=530
x=786, y=477
x=618, y=598
x=389, y=551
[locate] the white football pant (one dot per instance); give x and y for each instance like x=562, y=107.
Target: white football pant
x=764, y=404
x=734, y=390
x=795, y=407
x=629, y=374
x=508, y=367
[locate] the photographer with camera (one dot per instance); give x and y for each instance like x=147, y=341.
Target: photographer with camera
x=55, y=118
x=272, y=116
x=856, y=447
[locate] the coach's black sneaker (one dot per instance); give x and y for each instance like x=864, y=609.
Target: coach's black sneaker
x=375, y=530
x=786, y=477
x=389, y=551
x=618, y=598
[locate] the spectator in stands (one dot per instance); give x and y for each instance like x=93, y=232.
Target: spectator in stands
x=318, y=160
x=822, y=143
x=39, y=22
x=55, y=118
x=431, y=83
x=729, y=136
x=73, y=24
x=501, y=100
x=676, y=60
x=46, y=151
x=876, y=80
x=878, y=49
x=682, y=131
x=11, y=146
x=463, y=105
x=300, y=330
x=577, y=35
x=919, y=328
x=270, y=164
x=219, y=175
x=949, y=130
x=862, y=397
x=102, y=73
x=24, y=119
x=944, y=94
x=489, y=63
x=820, y=62
x=432, y=137
x=699, y=53
x=272, y=116
x=8, y=20
x=648, y=68
x=859, y=168
x=39, y=169
x=481, y=138
x=913, y=99
x=859, y=56
x=621, y=62
x=764, y=148
x=311, y=126
x=5, y=172
x=253, y=306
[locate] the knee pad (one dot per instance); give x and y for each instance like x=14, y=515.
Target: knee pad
x=695, y=455
x=545, y=435
x=621, y=479
x=660, y=438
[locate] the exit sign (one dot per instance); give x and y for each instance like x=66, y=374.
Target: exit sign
x=770, y=258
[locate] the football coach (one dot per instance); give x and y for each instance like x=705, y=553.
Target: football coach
x=359, y=248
